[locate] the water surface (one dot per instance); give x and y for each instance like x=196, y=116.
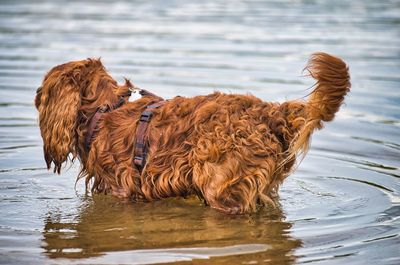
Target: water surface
x=341, y=206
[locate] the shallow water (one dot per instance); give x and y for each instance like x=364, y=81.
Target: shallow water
x=341, y=206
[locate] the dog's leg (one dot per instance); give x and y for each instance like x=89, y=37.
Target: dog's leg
x=230, y=187
x=111, y=168
x=128, y=182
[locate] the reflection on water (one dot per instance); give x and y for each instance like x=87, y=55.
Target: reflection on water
x=341, y=206
x=172, y=230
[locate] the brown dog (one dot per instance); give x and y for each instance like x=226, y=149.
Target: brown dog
x=233, y=151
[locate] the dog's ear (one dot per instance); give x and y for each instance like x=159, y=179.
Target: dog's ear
x=58, y=102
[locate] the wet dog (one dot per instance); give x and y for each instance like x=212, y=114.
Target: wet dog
x=231, y=150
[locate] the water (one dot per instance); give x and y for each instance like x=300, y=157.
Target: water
x=341, y=206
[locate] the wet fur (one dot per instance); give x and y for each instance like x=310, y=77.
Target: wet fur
x=231, y=150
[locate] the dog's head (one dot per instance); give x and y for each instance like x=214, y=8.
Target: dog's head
x=70, y=94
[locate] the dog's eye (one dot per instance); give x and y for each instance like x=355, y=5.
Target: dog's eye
x=38, y=90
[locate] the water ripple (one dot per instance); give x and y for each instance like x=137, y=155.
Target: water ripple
x=340, y=207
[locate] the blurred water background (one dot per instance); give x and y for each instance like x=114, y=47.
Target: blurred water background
x=341, y=206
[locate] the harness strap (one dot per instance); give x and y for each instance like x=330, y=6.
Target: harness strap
x=103, y=109
x=141, y=145
x=95, y=119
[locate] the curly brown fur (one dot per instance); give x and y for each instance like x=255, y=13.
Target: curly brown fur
x=231, y=150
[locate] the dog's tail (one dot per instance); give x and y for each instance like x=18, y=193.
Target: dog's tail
x=333, y=83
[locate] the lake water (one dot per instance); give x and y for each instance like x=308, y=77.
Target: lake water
x=341, y=206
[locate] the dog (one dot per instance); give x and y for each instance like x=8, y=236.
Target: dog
x=232, y=151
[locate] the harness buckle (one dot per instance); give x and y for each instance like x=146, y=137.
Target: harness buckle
x=138, y=160
x=146, y=116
